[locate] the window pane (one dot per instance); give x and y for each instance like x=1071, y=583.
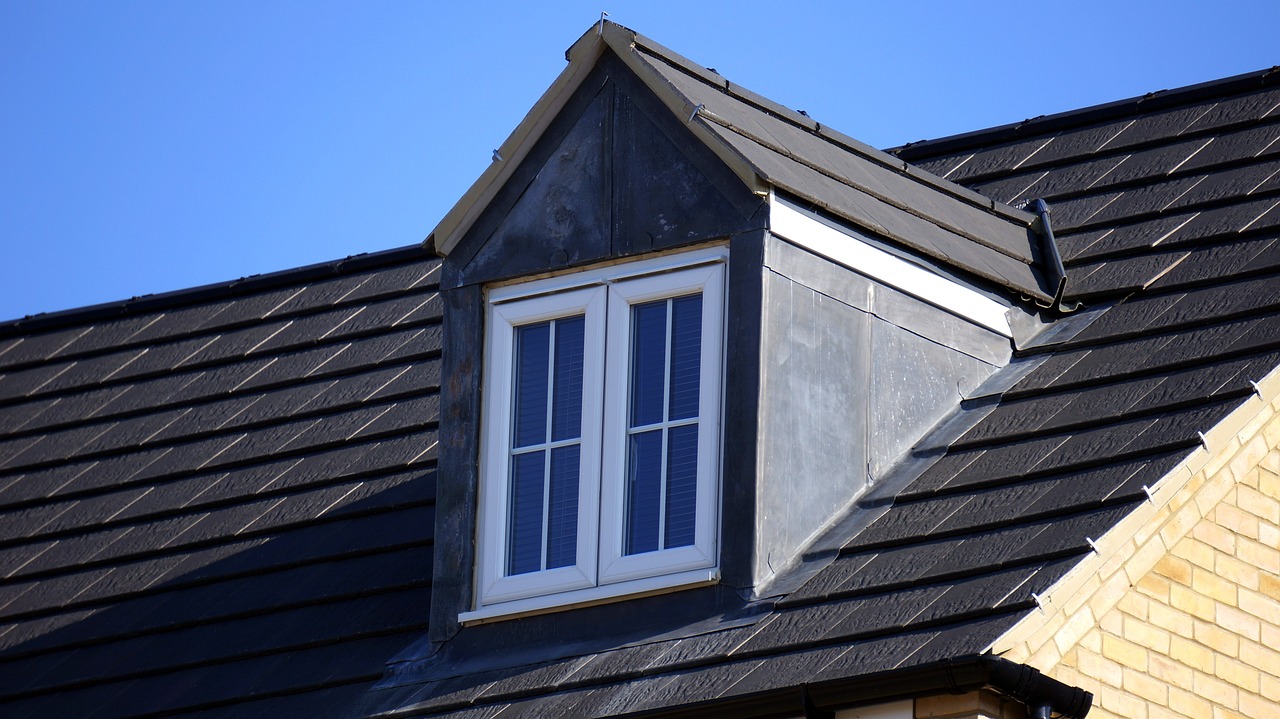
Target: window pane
x=682, y=486
x=562, y=514
x=644, y=487
x=532, y=353
x=648, y=362
x=686, y=354
x=566, y=413
x=524, y=535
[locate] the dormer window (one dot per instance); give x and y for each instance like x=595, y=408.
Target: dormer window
x=600, y=448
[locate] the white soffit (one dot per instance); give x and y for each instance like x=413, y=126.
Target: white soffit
x=866, y=259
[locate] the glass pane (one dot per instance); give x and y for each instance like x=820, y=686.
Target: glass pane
x=682, y=486
x=644, y=485
x=562, y=512
x=686, y=356
x=566, y=408
x=532, y=351
x=524, y=535
x=648, y=362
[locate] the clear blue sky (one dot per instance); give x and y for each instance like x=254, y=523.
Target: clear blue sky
x=153, y=146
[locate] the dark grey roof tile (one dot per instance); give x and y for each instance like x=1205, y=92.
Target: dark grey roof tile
x=1077, y=211
x=1147, y=199
x=702, y=647
x=1012, y=155
x=870, y=656
x=1158, y=126
x=1230, y=184
x=963, y=638
x=1251, y=142
x=1224, y=260
x=1241, y=108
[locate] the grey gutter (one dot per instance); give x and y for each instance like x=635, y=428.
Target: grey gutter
x=958, y=675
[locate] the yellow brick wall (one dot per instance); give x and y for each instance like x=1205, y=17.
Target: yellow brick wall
x=1178, y=613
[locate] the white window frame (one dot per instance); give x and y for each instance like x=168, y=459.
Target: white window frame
x=605, y=296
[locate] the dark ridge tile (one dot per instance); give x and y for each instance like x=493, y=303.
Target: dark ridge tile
x=1234, y=146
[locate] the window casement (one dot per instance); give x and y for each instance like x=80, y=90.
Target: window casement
x=600, y=444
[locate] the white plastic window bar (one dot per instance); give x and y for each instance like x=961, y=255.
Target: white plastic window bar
x=546, y=444
x=662, y=433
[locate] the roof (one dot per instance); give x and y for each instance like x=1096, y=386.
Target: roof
x=1167, y=219
x=772, y=148
x=221, y=501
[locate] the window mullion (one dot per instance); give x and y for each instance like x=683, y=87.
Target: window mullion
x=666, y=432
x=546, y=439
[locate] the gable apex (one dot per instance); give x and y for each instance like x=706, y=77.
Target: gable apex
x=769, y=148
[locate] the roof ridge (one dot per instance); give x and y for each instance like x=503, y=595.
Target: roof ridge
x=1156, y=100
x=835, y=137
x=218, y=290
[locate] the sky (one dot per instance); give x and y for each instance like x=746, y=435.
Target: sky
x=154, y=146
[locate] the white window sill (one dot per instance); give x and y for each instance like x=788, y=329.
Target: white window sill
x=592, y=595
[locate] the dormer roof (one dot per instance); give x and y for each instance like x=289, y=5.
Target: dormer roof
x=774, y=149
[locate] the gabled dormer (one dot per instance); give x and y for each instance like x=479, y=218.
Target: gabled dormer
x=686, y=330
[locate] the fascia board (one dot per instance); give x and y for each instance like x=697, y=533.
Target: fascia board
x=582, y=59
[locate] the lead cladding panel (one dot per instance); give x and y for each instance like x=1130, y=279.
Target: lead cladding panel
x=812, y=415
